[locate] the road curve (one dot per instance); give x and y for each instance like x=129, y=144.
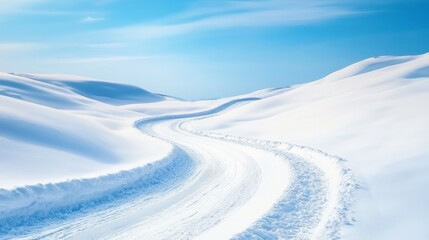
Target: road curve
x=213, y=186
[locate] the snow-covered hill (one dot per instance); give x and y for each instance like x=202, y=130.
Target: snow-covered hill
x=375, y=114
x=54, y=128
x=84, y=158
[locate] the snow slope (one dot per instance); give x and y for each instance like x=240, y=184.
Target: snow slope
x=373, y=113
x=51, y=133
x=107, y=92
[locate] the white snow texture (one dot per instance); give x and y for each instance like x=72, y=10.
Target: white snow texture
x=87, y=159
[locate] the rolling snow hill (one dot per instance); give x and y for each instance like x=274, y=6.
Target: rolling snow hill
x=375, y=114
x=54, y=130
x=82, y=158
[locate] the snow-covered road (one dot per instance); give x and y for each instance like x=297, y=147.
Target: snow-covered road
x=212, y=186
x=77, y=163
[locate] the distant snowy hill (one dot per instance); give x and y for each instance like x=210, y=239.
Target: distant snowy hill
x=374, y=113
x=60, y=88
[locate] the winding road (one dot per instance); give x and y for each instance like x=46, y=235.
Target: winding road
x=213, y=186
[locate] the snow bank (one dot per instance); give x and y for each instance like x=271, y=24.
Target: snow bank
x=24, y=207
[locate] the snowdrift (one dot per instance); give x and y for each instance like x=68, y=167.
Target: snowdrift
x=24, y=207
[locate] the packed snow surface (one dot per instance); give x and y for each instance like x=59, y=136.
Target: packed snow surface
x=88, y=159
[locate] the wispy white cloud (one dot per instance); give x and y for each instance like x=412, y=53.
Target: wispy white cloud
x=12, y=47
x=104, y=45
x=90, y=19
x=104, y=59
x=40, y=7
x=234, y=14
x=9, y=6
x=52, y=12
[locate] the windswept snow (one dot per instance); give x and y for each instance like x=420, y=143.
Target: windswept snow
x=50, y=134
x=107, y=92
x=87, y=159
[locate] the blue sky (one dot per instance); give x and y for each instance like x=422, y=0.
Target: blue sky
x=206, y=49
